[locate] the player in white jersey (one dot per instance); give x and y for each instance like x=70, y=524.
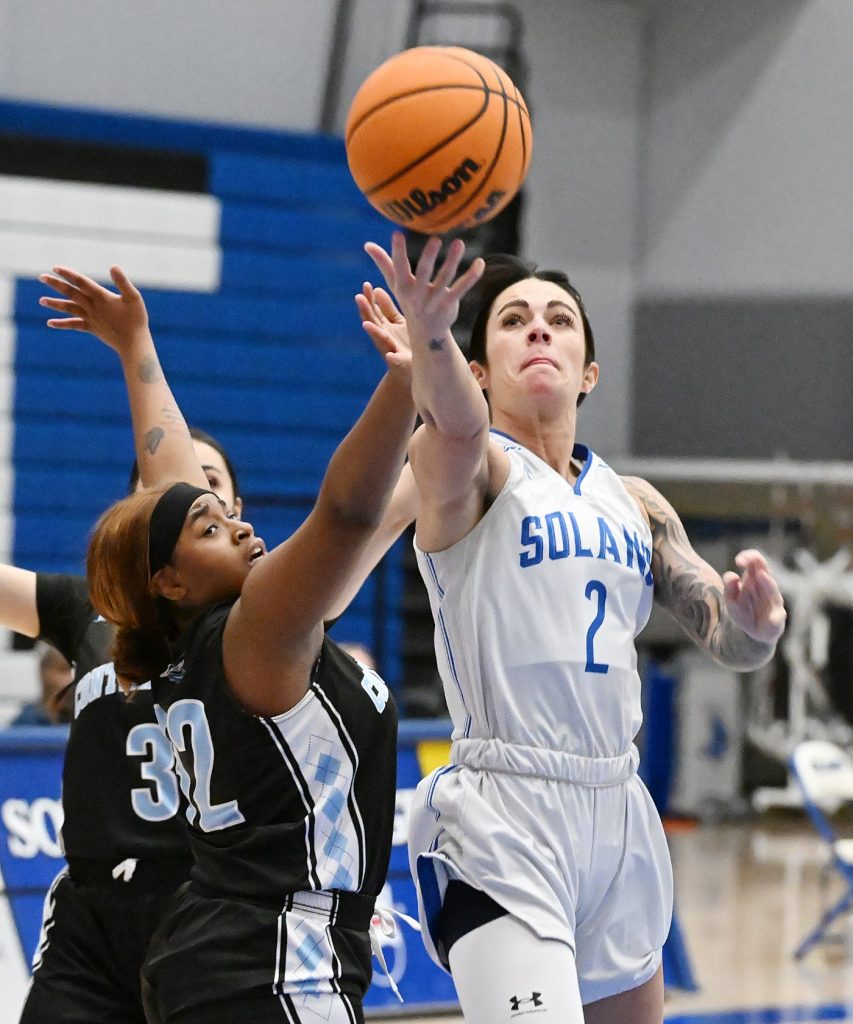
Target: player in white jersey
x=543, y=873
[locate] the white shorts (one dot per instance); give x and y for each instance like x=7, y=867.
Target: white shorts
x=571, y=846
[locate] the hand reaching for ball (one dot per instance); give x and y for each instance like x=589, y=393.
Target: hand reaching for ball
x=386, y=326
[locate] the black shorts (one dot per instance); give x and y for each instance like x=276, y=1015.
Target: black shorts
x=95, y=936
x=229, y=961
x=464, y=909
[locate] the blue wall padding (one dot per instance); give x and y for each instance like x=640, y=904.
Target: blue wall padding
x=270, y=406
x=352, y=367
x=335, y=318
x=321, y=185
x=657, y=763
x=265, y=270
x=292, y=230
x=50, y=122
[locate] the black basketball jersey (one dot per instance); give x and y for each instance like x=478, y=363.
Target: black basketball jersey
x=119, y=793
x=302, y=800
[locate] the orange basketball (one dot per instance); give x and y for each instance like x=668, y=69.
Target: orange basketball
x=438, y=138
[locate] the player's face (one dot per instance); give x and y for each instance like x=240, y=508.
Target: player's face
x=217, y=475
x=218, y=478
x=213, y=556
x=535, y=346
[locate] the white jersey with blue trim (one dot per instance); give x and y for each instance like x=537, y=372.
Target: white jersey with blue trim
x=537, y=608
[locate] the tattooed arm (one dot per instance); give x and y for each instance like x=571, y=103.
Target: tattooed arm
x=737, y=619
x=164, y=449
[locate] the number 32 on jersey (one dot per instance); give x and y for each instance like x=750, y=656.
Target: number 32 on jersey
x=183, y=729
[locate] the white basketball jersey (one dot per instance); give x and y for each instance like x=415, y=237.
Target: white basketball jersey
x=537, y=608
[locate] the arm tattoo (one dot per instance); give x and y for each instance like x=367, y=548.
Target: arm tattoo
x=152, y=439
x=149, y=371
x=436, y=344
x=731, y=646
x=691, y=591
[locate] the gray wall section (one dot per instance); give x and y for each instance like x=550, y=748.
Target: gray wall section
x=747, y=166
x=744, y=378
x=257, y=62
x=743, y=339
x=584, y=91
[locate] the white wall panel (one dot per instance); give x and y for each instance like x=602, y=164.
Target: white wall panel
x=118, y=209
x=164, y=265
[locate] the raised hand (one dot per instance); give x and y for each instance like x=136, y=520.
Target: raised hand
x=428, y=298
x=118, y=320
x=386, y=327
x=753, y=599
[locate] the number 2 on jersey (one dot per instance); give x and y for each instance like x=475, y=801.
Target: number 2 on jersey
x=595, y=590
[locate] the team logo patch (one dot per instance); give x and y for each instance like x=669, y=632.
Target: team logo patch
x=174, y=673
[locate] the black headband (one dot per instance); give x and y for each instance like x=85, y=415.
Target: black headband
x=167, y=521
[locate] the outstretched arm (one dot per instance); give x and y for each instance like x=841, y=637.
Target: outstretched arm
x=402, y=510
x=737, y=619
x=164, y=449
x=387, y=328
x=449, y=454
x=18, y=605
x=275, y=629
x=117, y=320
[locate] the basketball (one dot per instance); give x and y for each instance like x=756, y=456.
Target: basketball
x=438, y=138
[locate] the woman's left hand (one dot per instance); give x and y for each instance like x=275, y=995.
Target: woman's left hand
x=753, y=599
x=386, y=326
x=429, y=298
x=118, y=320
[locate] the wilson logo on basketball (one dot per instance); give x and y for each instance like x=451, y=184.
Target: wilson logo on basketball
x=418, y=203
x=485, y=211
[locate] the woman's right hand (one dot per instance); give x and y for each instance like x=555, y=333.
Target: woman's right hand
x=119, y=320
x=428, y=298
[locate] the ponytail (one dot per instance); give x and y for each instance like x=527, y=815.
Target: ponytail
x=117, y=569
x=140, y=655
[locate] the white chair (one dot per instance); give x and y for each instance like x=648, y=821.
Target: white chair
x=824, y=773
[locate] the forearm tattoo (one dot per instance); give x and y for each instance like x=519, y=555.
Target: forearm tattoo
x=691, y=592
x=152, y=439
x=149, y=370
x=436, y=344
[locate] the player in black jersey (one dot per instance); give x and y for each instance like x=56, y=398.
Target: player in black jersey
x=126, y=846
x=285, y=746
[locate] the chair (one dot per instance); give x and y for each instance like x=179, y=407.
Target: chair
x=824, y=773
